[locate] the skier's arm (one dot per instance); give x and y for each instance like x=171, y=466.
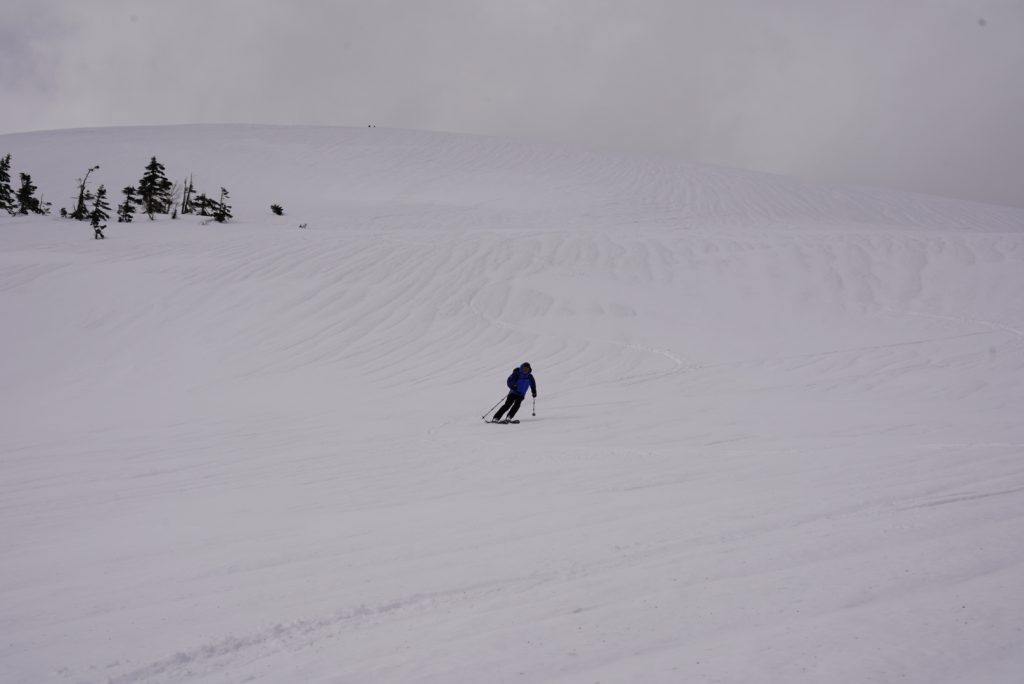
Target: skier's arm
x=533, y=385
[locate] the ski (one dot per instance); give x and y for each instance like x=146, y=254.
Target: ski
x=504, y=422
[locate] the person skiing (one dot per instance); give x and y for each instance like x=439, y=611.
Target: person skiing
x=520, y=381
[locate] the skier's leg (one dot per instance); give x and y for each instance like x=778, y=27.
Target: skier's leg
x=504, y=407
x=515, y=407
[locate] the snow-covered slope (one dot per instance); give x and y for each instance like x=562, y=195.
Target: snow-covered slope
x=778, y=435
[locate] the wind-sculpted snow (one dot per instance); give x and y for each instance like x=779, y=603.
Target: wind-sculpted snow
x=777, y=437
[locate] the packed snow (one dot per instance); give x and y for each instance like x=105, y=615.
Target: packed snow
x=779, y=431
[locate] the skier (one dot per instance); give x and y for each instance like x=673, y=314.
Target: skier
x=520, y=381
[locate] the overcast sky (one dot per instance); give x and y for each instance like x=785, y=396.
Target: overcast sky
x=923, y=95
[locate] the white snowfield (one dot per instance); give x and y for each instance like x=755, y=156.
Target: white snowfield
x=779, y=434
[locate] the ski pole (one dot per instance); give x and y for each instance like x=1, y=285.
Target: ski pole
x=535, y=405
x=492, y=408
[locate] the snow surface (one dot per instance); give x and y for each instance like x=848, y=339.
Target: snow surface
x=778, y=436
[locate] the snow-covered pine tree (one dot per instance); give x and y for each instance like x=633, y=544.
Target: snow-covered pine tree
x=81, y=211
x=155, y=189
x=222, y=210
x=126, y=210
x=6, y=191
x=28, y=203
x=204, y=204
x=98, y=216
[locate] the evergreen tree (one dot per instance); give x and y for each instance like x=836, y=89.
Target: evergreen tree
x=6, y=192
x=155, y=189
x=81, y=212
x=99, y=208
x=222, y=210
x=204, y=204
x=99, y=215
x=126, y=210
x=28, y=203
x=277, y=209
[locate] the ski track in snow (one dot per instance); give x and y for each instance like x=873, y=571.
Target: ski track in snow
x=775, y=419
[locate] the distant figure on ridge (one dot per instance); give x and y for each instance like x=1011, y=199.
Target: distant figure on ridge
x=520, y=381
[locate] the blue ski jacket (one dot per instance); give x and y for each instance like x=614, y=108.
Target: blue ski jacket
x=520, y=381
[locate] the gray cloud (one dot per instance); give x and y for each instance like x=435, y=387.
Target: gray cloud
x=916, y=94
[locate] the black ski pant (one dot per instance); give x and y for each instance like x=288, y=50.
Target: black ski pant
x=511, y=405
